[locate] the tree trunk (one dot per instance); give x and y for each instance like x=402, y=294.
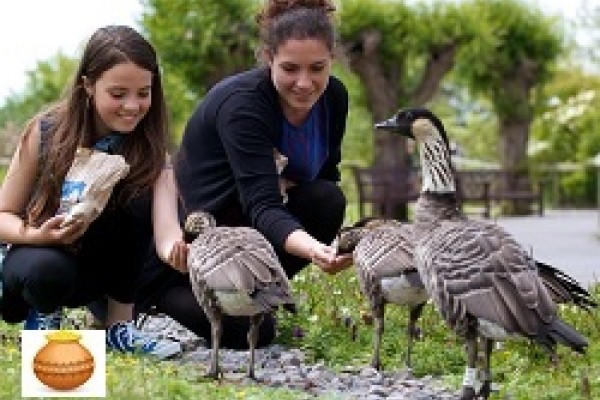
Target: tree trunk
x=384, y=90
x=515, y=119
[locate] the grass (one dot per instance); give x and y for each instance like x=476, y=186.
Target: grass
x=335, y=328
x=334, y=320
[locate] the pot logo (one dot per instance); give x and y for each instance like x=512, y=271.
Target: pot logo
x=63, y=363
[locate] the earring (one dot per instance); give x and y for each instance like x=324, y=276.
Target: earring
x=87, y=102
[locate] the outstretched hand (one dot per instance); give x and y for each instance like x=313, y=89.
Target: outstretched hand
x=326, y=258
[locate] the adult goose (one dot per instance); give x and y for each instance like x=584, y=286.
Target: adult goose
x=383, y=257
x=481, y=280
x=234, y=271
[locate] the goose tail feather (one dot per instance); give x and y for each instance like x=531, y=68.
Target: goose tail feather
x=563, y=288
x=563, y=333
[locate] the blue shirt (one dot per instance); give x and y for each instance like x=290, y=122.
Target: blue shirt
x=305, y=146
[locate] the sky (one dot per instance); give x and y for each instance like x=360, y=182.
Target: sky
x=36, y=30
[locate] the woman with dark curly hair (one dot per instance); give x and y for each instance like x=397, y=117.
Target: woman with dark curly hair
x=225, y=166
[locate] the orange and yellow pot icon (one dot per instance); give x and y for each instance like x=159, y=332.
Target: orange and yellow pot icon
x=63, y=363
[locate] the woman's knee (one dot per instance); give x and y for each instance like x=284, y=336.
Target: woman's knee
x=38, y=273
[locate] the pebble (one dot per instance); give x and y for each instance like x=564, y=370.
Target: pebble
x=282, y=367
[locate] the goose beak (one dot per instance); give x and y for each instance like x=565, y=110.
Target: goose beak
x=387, y=125
x=395, y=126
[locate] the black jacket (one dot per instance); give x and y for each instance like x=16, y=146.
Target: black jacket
x=226, y=162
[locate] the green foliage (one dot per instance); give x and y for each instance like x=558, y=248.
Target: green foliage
x=392, y=19
x=516, y=44
x=201, y=41
x=45, y=84
x=566, y=132
x=357, y=147
x=180, y=103
x=334, y=318
x=470, y=123
x=409, y=35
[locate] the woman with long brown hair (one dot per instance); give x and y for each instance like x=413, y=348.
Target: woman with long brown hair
x=115, y=104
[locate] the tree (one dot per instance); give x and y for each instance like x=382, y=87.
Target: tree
x=44, y=85
x=514, y=55
x=202, y=41
x=401, y=55
x=566, y=132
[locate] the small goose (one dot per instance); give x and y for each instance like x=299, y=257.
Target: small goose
x=234, y=271
x=383, y=256
x=483, y=283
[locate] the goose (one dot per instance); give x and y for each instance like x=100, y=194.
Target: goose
x=382, y=250
x=234, y=271
x=383, y=257
x=480, y=279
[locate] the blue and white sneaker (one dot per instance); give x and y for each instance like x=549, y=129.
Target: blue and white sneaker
x=124, y=337
x=42, y=321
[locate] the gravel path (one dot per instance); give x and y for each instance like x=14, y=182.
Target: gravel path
x=278, y=366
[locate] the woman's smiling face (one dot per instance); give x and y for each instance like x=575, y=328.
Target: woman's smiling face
x=122, y=97
x=300, y=72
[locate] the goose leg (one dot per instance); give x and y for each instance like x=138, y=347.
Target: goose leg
x=255, y=321
x=486, y=374
x=412, y=334
x=215, y=317
x=470, y=378
x=378, y=315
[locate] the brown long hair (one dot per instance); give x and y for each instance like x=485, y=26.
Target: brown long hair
x=71, y=123
x=280, y=20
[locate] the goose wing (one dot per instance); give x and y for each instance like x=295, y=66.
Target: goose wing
x=386, y=251
x=239, y=259
x=477, y=268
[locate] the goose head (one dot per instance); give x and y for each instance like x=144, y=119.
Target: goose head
x=423, y=126
x=196, y=223
x=348, y=236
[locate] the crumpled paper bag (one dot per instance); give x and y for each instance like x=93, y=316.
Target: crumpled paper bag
x=89, y=184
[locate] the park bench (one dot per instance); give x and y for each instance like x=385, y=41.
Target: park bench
x=383, y=188
x=489, y=186
x=380, y=189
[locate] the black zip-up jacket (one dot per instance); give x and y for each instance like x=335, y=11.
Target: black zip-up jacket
x=225, y=163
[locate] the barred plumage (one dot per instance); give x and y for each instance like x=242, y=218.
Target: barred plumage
x=383, y=256
x=234, y=271
x=481, y=280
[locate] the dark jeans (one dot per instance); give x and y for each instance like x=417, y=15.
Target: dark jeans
x=104, y=262
x=319, y=206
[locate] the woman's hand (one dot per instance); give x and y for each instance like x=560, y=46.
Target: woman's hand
x=53, y=232
x=177, y=257
x=326, y=258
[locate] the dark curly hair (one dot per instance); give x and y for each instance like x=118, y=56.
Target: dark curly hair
x=280, y=20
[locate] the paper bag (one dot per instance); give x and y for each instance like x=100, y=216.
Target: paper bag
x=89, y=184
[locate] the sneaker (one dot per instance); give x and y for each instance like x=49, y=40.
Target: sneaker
x=42, y=321
x=124, y=337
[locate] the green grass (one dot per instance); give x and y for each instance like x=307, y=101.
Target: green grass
x=332, y=315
